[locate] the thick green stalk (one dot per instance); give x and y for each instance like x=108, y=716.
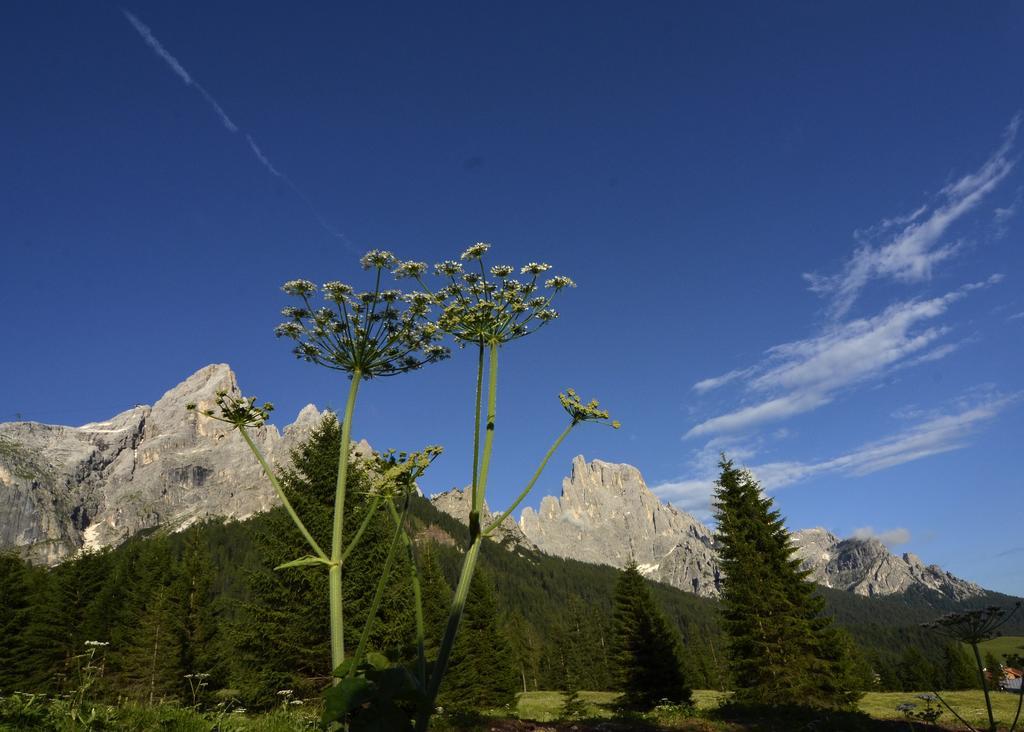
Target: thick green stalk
x=529, y=486
x=280, y=494
x=379, y=593
x=953, y=711
x=475, y=518
x=334, y=573
x=485, y=459
x=450, y=631
x=458, y=605
x=417, y=595
x=984, y=687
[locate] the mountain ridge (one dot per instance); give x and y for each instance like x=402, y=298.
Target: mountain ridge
x=87, y=487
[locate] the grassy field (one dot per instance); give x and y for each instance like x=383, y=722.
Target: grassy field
x=544, y=706
x=1004, y=646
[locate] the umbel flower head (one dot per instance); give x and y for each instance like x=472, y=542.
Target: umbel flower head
x=239, y=411
x=974, y=626
x=589, y=412
x=481, y=304
x=377, y=333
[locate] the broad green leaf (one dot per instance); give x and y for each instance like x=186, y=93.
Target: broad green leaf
x=340, y=700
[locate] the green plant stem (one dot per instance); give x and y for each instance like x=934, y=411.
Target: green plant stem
x=280, y=494
x=476, y=436
x=953, y=711
x=529, y=486
x=379, y=593
x=370, y=510
x=334, y=573
x=984, y=687
x=417, y=594
x=1016, y=717
x=485, y=459
x=458, y=605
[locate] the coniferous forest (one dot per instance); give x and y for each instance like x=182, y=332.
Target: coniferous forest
x=200, y=615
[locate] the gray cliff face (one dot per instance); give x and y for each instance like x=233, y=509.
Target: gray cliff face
x=608, y=515
x=866, y=567
x=67, y=488
x=455, y=503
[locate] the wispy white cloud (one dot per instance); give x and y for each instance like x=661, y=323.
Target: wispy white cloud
x=810, y=372
x=910, y=254
x=177, y=68
x=1016, y=316
x=891, y=536
x=189, y=80
x=713, y=383
x=261, y=157
x=938, y=433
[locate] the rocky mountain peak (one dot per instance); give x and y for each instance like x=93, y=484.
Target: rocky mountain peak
x=66, y=488
x=456, y=503
x=867, y=567
x=606, y=514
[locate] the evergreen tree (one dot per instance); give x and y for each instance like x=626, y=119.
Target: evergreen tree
x=281, y=637
x=994, y=671
x=914, y=670
x=436, y=596
x=46, y=638
x=199, y=623
x=647, y=658
x=147, y=650
x=959, y=672
x=782, y=650
x=481, y=672
x=14, y=610
x=527, y=651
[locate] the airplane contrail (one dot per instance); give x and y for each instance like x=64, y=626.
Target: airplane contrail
x=183, y=74
x=177, y=68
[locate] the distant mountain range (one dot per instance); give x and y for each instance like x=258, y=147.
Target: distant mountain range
x=69, y=488
x=607, y=515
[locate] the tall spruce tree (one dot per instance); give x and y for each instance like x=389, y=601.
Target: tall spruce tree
x=782, y=649
x=281, y=635
x=481, y=672
x=14, y=610
x=647, y=651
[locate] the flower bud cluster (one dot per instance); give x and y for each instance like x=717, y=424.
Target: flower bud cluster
x=580, y=412
x=974, y=626
x=236, y=410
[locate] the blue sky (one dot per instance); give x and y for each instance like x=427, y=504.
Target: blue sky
x=797, y=234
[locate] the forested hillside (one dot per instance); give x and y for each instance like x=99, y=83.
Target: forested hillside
x=206, y=601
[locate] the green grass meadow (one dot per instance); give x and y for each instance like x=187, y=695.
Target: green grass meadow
x=544, y=706
x=1003, y=646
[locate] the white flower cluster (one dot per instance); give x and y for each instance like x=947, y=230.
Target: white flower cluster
x=377, y=333
x=476, y=309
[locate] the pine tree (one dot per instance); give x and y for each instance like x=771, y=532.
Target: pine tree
x=14, y=610
x=199, y=623
x=148, y=648
x=46, y=637
x=481, y=673
x=994, y=671
x=958, y=670
x=436, y=596
x=782, y=649
x=281, y=635
x=647, y=657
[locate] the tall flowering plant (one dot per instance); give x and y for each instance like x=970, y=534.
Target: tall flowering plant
x=974, y=627
x=486, y=308
x=384, y=332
